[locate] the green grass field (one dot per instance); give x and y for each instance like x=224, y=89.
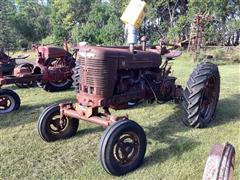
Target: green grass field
x=174, y=152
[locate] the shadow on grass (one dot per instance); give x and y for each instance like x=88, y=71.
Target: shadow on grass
x=227, y=110
x=86, y=131
x=26, y=114
x=165, y=132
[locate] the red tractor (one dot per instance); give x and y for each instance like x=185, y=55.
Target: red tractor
x=53, y=71
x=116, y=77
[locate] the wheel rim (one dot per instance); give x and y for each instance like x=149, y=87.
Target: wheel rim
x=56, y=125
x=126, y=149
x=209, y=99
x=57, y=63
x=7, y=103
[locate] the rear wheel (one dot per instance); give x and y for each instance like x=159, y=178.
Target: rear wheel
x=122, y=147
x=52, y=128
x=9, y=101
x=29, y=84
x=201, y=95
x=60, y=85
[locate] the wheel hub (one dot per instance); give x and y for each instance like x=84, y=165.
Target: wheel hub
x=4, y=102
x=127, y=148
x=57, y=125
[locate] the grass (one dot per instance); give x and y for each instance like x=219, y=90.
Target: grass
x=224, y=55
x=173, y=152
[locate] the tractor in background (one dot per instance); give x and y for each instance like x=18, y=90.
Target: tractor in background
x=52, y=72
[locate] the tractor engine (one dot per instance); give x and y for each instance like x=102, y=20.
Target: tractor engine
x=113, y=77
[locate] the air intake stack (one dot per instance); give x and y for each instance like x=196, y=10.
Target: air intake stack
x=133, y=17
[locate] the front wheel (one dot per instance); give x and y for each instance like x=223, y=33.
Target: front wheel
x=9, y=101
x=51, y=127
x=201, y=95
x=122, y=147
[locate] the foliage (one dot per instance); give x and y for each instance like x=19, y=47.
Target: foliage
x=67, y=14
x=98, y=21
x=31, y=20
x=103, y=25
x=7, y=31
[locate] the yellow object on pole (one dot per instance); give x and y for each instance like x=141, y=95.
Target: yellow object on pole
x=134, y=13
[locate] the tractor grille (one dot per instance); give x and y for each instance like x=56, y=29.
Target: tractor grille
x=96, y=77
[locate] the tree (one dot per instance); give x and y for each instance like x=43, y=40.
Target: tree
x=103, y=25
x=8, y=35
x=67, y=14
x=165, y=17
x=223, y=13
x=31, y=20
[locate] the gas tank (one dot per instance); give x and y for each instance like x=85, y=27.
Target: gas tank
x=52, y=52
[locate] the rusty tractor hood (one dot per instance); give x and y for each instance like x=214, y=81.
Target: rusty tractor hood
x=125, y=58
x=51, y=52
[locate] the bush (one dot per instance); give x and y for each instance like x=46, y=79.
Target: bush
x=48, y=40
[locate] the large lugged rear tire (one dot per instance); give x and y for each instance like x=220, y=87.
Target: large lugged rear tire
x=122, y=147
x=201, y=95
x=9, y=101
x=50, y=128
x=76, y=76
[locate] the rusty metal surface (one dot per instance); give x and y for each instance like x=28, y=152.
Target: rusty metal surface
x=41, y=71
x=22, y=71
x=88, y=114
x=14, y=79
x=99, y=68
x=110, y=77
x=113, y=76
x=51, y=52
x=220, y=163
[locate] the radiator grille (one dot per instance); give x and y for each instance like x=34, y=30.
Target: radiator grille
x=96, y=76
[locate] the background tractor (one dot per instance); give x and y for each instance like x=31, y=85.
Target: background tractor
x=8, y=63
x=52, y=72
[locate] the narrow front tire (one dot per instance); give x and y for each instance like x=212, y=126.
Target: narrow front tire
x=52, y=128
x=122, y=147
